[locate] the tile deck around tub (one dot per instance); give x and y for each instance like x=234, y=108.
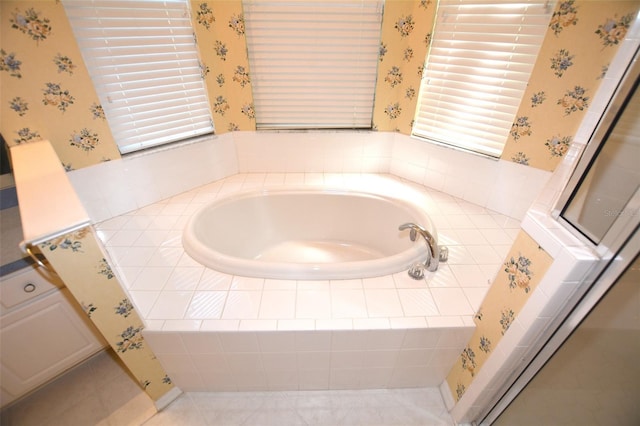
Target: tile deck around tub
x=172, y=292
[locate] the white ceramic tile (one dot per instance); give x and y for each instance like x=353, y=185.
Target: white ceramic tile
x=143, y=301
x=239, y=342
x=346, y=284
x=258, y=325
x=187, y=261
x=316, y=285
x=445, y=321
x=184, y=279
x=171, y=305
x=443, y=277
x=187, y=325
x=206, y=305
x=220, y=325
x=451, y=301
x=202, y=343
x=165, y=342
x=134, y=256
x=165, y=256
x=475, y=296
x=469, y=275
x=312, y=341
x=371, y=324
x=151, y=278
x=378, y=282
x=313, y=304
x=383, y=303
x=408, y=322
x=459, y=221
x=151, y=237
x=417, y=302
x=348, y=304
x=403, y=280
x=242, y=305
x=124, y=237
x=247, y=283
x=471, y=236
x=459, y=255
x=280, y=361
x=278, y=304
x=484, y=254
x=273, y=284
x=456, y=337
x=296, y=324
x=496, y=236
x=214, y=280
x=421, y=338
x=346, y=359
x=314, y=360
x=413, y=357
x=244, y=362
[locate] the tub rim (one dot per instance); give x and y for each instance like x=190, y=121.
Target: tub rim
x=232, y=265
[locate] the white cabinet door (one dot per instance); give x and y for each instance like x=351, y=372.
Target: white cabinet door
x=41, y=339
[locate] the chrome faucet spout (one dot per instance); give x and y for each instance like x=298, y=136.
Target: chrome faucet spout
x=433, y=260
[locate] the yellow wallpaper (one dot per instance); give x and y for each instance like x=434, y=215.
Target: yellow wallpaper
x=81, y=264
x=519, y=276
x=582, y=38
x=406, y=34
x=46, y=90
x=219, y=28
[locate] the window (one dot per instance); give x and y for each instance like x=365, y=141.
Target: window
x=143, y=61
x=481, y=56
x=313, y=63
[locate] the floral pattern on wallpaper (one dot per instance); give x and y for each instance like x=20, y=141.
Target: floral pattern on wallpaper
x=406, y=35
x=220, y=35
x=81, y=264
x=47, y=92
x=581, y=41
x=524, y=267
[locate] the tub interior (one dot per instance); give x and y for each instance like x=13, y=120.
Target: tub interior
x=305, y=227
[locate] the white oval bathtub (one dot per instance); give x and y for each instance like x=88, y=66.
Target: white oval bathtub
x=305, y=234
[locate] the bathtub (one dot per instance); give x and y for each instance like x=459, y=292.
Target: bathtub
x=306, y=234
x=216, y=331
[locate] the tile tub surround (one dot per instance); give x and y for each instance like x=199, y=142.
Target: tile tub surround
x=389, y=331
x=116, y=187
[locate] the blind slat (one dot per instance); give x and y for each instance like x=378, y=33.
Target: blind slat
x=479, y=63
x=143, y=61
x=313, y=63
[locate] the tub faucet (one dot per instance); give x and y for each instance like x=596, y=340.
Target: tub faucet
x=435, y=255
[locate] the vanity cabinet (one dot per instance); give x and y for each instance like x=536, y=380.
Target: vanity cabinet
x=43, y=332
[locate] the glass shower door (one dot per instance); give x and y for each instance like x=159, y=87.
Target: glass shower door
x=594, y=378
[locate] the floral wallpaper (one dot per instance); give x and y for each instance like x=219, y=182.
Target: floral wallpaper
x=406, y=35
x=79, y=261
x=219, y=28
x=581, y=41
x=46, y=90
x=521, y=272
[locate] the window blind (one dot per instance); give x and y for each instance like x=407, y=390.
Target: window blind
x=482, y=53
x=143, y=61
x=313, y=63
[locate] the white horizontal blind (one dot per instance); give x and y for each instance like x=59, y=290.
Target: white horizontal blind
x=481, y=56
x=313, y=63
x=143, y=61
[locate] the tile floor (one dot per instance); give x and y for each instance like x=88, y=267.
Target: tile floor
x=99, y=392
